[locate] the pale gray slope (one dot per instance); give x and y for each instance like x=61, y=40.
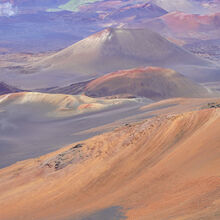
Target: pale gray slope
x=115, y=49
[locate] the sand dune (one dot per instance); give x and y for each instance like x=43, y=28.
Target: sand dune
x=32, y=124
x=150, y=82
x=166, y=167
x=57, y=105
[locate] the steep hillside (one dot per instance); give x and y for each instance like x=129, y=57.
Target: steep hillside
x=163, y=168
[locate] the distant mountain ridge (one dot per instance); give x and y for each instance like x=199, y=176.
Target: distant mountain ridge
x=114, y=49
x=191, y=26
x=145, y=10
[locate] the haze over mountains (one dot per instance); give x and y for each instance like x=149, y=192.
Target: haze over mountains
x=109, y=109
x=122, y=44
x=187, y=26
x=59, y=16
x=105, y=52
x=139, y=11
x=117, y=49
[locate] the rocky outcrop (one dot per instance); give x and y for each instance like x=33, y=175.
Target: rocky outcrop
x=71, y=156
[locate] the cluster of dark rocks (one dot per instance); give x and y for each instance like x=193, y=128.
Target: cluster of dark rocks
x=214, y=105
x=73, y=155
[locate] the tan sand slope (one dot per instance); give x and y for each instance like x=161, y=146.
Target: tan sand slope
x=163, y=168
x=151, y=82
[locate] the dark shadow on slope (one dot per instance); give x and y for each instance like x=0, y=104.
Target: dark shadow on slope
x=112, y=213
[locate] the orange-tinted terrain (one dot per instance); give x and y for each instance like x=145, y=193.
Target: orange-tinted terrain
x=109, y=110
x=150, y=82
x=183, y=22
x=166, y=167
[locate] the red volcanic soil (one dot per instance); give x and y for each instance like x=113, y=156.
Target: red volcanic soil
x=179, y=21
x=151, y=82
x=166, y=167
x=187, y=26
